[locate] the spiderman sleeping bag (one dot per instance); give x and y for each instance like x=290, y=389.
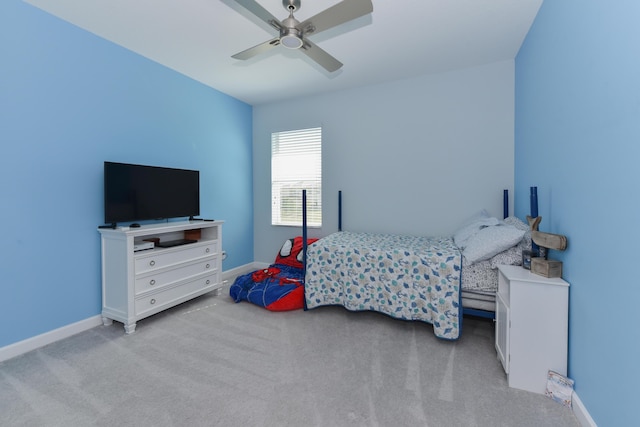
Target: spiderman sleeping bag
x=279, y=287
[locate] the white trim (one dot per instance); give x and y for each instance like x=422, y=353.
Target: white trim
x=16, y=349
x=24, y=346
x=229, y=275
x=581, y=412
x=260, y=265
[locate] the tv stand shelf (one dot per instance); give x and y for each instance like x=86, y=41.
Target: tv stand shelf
x=138, y=284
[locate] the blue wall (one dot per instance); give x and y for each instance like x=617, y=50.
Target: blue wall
x=578, y=140
x=69, y=101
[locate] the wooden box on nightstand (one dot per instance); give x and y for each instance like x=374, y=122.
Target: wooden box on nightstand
x=546, y=267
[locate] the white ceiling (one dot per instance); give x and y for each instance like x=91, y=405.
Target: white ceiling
x=400, y=39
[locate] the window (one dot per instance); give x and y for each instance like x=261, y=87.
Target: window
x=296, y=165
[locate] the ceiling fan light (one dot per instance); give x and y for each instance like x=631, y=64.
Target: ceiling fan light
x=291, y=41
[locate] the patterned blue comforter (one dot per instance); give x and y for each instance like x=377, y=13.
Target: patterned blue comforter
x=406, y=277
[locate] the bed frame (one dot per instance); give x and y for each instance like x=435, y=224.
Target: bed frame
x=465, y=310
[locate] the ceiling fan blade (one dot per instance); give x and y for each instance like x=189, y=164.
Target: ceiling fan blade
x=260, y=12
x=325, y=60
x=340, y=13
x=256, y=50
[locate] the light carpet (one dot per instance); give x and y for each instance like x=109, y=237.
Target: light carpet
x=212, y=362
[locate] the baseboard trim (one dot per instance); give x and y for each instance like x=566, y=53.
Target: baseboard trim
x=260, y=265
x=16, y=349
x=581, y=412
x=229, y=275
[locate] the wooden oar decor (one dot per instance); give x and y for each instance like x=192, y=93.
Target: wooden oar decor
x=544, y=266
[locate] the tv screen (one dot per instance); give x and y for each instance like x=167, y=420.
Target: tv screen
x=138, y=192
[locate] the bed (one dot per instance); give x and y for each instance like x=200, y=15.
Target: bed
x=430, y=279
x=406, y=277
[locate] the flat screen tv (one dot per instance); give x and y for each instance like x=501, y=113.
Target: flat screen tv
x=139, y=192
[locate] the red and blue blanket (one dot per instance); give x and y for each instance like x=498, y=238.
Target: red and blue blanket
x=280, y=287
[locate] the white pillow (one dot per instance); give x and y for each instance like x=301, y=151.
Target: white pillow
x=517, y=223
x=490, y=241
x=467, y=231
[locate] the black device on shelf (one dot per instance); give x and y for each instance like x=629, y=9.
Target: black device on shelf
x=177, y=242
x=139, y=192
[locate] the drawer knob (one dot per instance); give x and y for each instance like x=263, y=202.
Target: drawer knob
x=207, y=250
x=152, y=282
x=152, y=263
x=153, y=301
x=207, y=266
x=208, y=281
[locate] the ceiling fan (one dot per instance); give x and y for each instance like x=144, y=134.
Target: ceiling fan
x=293, y=34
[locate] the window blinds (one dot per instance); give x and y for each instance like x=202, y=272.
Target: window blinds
x=296, y=164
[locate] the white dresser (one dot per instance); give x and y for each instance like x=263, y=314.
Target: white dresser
x=531, y=326
x=138, y=284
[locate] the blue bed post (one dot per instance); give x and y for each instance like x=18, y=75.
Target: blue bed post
x=340, y=210
x=304, y=229
x=505, y=204
x=534, y=214
x=304, y=241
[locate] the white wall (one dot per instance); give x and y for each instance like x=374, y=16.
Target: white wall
x=416, y=156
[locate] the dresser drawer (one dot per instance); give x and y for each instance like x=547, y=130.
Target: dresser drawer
x=161, y=278
x=157, y=301
x=161, y=258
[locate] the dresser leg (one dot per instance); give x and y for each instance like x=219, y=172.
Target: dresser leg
x=130, y=328
x=106, y=321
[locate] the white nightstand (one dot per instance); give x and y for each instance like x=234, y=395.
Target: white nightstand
x=531, y=326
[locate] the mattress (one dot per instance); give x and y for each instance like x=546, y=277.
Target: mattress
x=479, y=300
x=479, y=305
